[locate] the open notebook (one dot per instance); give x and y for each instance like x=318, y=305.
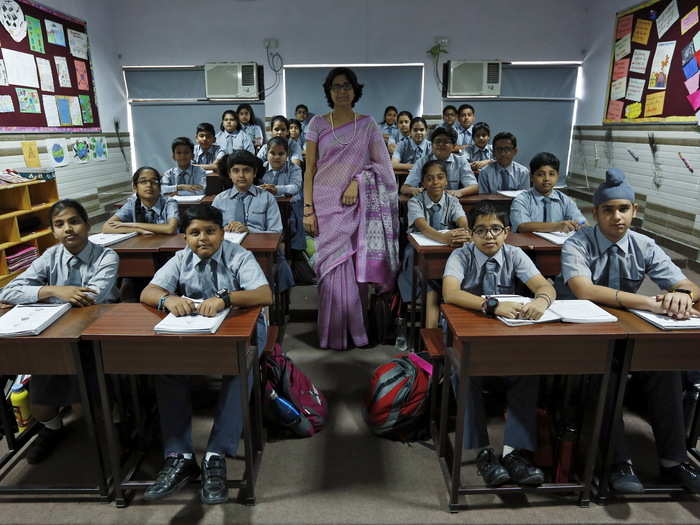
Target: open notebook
x=555, y=237
x=510, y=193
x=235, y=237
x=568, y=311
x=107, y=239
x=189, y=199
x=31, y=319
x=668, y=323
x=422, y=240
x=191, y=324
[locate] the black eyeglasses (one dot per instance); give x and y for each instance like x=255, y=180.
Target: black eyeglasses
x=341, y=87
x=493, y=230
x=152, y=182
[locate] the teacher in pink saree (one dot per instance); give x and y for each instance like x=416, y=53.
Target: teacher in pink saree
x=351, y=207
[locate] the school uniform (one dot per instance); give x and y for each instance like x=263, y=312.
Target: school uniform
x=399, y=140
x=294, y=151
x=476, y=154
x=441, y=215
x=208, y=156
x=95, y=267
x=254, y=133
x=480, y=274
x=164, y=209
x=408, y=152
x=190, y=175
x=494, y=178
x=290, y=183
x=233, y=141
x=231, y=267
x=297, y=145
x=532, y=206
x=459, y=173
x=392, y=130
x=464, y=136
x=623, y=266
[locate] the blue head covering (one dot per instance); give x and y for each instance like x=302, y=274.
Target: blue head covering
x=614, y=187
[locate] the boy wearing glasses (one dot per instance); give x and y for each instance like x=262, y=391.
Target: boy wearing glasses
x=460, y=178
x=473, y=275
x=505, y=173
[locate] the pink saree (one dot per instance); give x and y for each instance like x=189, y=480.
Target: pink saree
x=356, y=245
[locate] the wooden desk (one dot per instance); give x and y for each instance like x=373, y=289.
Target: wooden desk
x=500, y=202
x=53, y=352
x=139, y=256
x=206, y=200
x=126, y=344
x=487, y=347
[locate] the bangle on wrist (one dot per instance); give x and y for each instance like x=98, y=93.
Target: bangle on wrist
x=617, y=299
x=161, y=302
x=545, y=297
x=308, y=205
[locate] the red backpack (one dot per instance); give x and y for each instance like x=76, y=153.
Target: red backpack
x=282, y=378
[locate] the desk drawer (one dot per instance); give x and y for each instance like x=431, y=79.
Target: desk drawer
x=672, y=353
x=137, y=264
x=31, y=357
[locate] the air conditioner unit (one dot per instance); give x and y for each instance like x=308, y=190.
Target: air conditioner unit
x=232, y=80
x=469, y=79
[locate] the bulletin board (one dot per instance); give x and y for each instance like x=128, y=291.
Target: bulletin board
x=46, y=80
x=655, y=64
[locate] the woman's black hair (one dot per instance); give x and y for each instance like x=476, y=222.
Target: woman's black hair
x=278, y=141
x=415, y=120
x=447, y=132
x=139, y=215
x=352, y=78
x=238, y=156
x=430, y=164
x=205, y=126
x=280, y=118
x=229, y=112
x=544, y=159
x=63, y=204
x=201, y=212
x=479, y=126
x=252, y=121
x=386, y=110
x=486, y=209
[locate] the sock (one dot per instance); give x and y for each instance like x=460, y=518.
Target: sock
x=507, y=449
x=210, y=454
x=668, y=463
x=55, y=423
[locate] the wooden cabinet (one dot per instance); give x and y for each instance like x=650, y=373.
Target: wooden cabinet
x=24, y=219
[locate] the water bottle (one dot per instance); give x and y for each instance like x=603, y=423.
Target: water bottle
x=19, y=399
x=288, y=413
x=401, y=344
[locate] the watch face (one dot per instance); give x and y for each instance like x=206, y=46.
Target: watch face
x=491, y=302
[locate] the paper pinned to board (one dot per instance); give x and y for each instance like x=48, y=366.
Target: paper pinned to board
x=28, y=100
x=640, y=59
x=615, y=108
x=667, y=18
x=620, y=68
x=3, y=74
x=642, y=30
x=693, y=83
x=633, y=110
x=660, y=66
x=30, y=152
x=12, y=19
x=36, y=39
x=623, y=47
x=45, y=74
x=20, y=68
x=689, y=20
x=635, y=89
x=62, y=71
x=57, y=150
x=618, y=88
x=6, y=104
x=78, y=44
x=624, y=26
x=51, y=111
x=54, y=33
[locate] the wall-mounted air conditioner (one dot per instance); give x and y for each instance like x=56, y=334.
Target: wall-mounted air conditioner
x=469, y=79
x=239, y=80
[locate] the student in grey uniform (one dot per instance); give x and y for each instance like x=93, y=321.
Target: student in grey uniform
x=449, y=117
x=388, y=124
x=303, y=115
x=295, y=133
x=460, y=179
x=146, y=211
x=185, y=178
x=403, y=123
x=247, y=120
x=430, y=213
x=280, y=128
x=412, y=148
x=466, y=114
x=222, y=274
x=247, y=208
x=606, y=264
x=206, y=151
x=505, y=173
x=542, y=208
x=231, y=138
x=73, y=271
x=487, y=266
x=479, y=153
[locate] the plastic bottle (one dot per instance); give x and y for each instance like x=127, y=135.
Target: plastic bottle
x=19, y=399
x=401, y=344
x=287, y=412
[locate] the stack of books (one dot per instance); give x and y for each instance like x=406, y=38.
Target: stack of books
x=108, y=239
x=191, y=324
x=30, y=319
x=21, y=256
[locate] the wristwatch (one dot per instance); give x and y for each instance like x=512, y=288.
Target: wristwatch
x=684, y=290
x=224, y=296
x=489, y=306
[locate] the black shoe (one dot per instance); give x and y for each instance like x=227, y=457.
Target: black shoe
x=44, y=443
x=624, y=480
x=214, y=489
x=489, y=468
x=687, y=474
x=175, y=474
x=521, y=470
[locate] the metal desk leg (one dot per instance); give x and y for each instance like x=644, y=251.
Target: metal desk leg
x=413, y=317
x=459, y=430
x=248, y=492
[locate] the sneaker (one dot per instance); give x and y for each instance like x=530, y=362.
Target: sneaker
x=214, y=489
x=521, y=469
x=175, y=474
x=44, y=444
x=687, y=474
x=489, y=468
x=624, y=480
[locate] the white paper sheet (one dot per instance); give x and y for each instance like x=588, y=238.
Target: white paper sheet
x=20, y=68
x=511, y=193
x=57, y=150
x=3, y=75
x=635, y=89
x=78, y=44
x=190, y=199
x=12, y=19
x=45, y=74
x=235, y=237
x=640, y=59
x=75, y=113
x=62, y=71
x=422, y=240
x=108, y=239
x=555, y=237
x=6, y=104
x=31, y=319
x=667, y=323
x=191, y=324
x=667, y=17
x=623, y=47
x=581, y=311
x=54, y=33
x=51, y=111
x=618, y=88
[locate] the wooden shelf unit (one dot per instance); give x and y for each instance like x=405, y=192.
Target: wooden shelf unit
x=24, y=219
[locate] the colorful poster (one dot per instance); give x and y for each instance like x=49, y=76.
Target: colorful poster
x=30, y=151
x=58, y=152
x=618, y=88
x=666, y=19
x=12, y=19
x=28, y=100
x=633, y=110
x=98, y=148
x=50, y=111
x=81, y=75
x=658, y=78
x=20, y=68
x=689, y=20
x=76, y=114
x=654, y=104
x=6, y=104
x=78, y=44
x=640, y=58
x=696, y=40
x=623, y=47
x=641, y=32
x=80, y=149
x=635, y=89
x=3, y=75
x=688, y=53
x=62, y=71
x=63, y=107
x=694, y=99
x=86, y=108
x=693, y=83
x=624, y=26
x=690, y=69
x=620, y=69
x=36, y=39
x=54, y=33
x=615, y=110
x=45, y=74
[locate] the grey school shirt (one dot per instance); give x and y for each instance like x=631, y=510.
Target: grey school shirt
x=231, y=267
x=529, y=207
x=97, y=266
x=491, y=178
x=585, y=254
x=233, y=141
x=208, y=156
x=190, y=175
x=459, y=173
x=466, y=264
x=420, y=206
x=288, y=179
x=408, y=152
x=261, y=212
x=164, y=209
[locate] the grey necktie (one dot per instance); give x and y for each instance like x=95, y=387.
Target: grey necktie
x=546, y=203
x=239, y=213
x=435, y=220
x=150, y=216
x=207, y=283
x=505, y=179
x=73, y=278
x=614, y=262
x=489, y=278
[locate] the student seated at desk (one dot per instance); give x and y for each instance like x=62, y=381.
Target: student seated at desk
x=466, y=115
x=607, y=264
x=505, y=173
x=280, y=128
x=479, y=153
x=388, y=124
x=412, y=148
x=206, y=151
x=429, y=213
x=247, y=120
x=222, y=274
x=73, y=271
x=185, y=179
x=460, y=179
x=487, y=266
x=231, y=138
x=403, y=122
x=301, y=113
x=295, y=134
x=449, y=117
x=542, y=208
x=147, y=211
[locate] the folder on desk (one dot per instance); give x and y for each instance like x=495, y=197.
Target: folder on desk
x=668, y=323
x=511, y=193
x=108, y=239
x=188, y=199
x=191, y=324
x=31, y=319
x=567, y=311
x=235, y=237
x=555, y=237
